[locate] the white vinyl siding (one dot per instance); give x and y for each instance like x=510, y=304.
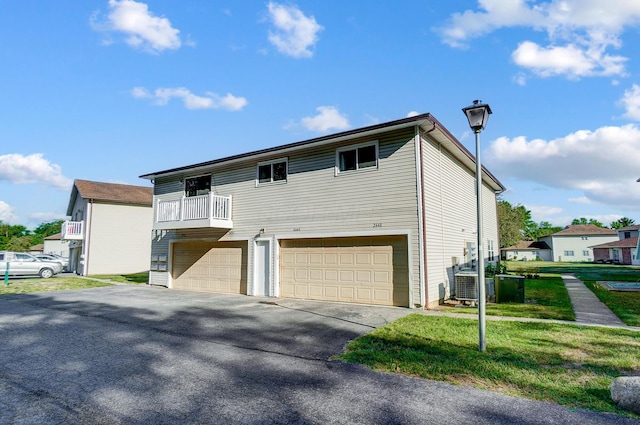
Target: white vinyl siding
x=450, y=216
x=119, y=238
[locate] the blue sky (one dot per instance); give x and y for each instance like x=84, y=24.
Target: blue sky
x=107, y=90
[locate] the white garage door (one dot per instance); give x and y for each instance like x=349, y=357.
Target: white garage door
x=211, y=267
x=368, y=270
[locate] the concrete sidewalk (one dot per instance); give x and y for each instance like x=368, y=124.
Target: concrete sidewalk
x=588, y=308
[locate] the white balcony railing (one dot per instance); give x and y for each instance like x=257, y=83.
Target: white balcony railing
x=72, y=230
x=195, y=211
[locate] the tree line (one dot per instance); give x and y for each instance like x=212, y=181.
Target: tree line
x=20, y=239
x=515, y=224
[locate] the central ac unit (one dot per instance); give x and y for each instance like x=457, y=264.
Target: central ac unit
x=466, y=286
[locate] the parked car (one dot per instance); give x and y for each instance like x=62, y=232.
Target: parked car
x=24, y=264
x=64, y=262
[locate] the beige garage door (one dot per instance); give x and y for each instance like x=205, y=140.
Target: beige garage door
x=211, y=267
x=368, y=270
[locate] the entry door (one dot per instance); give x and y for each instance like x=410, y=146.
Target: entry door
x=262, y=268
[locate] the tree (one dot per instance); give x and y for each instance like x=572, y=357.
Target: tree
x=622, y=222
x=44, y=230
x=19, y=244
x=583, y=220
x=545, y=228
x=514, y=224
x=9, y=232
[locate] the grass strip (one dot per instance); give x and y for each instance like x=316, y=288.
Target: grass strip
x=56, y=283
x=566, y=364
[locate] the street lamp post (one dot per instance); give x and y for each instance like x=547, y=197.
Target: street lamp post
x=478, y=115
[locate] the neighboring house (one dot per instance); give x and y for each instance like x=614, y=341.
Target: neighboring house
x=55, y=245
x=36, y=249
x=574, y=242
x=528, y=251
x=110, y=228
x=629, y=232
x=377, y=215
x=623, y=251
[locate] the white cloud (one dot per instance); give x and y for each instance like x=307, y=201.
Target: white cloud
x=162, y=96
x=570, y=60
x=580, y=200
x=579, y=33
x=631, y=102
x=294, y=34
x=543, y=212
x=413, y=114
x=328, y=118
x=6, y=213
x=602, y=164
x=32, y=169
x=143, y=30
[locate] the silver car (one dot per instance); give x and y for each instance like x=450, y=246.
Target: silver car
x=25, y=264
x=64, y=262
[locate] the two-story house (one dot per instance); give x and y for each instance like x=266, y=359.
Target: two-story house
x=575, y=242
x=110, y=228
x=383, y=214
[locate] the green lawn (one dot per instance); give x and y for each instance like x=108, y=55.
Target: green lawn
x=134, y=278
x=545, y=298
x=566, y=364
x=626, y=305
x=56, y=283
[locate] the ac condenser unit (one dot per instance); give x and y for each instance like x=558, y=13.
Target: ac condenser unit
x=466, y=286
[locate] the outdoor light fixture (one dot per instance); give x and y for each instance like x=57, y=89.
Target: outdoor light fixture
x=478, y=115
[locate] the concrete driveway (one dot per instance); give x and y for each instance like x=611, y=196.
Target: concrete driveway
x=148, y=355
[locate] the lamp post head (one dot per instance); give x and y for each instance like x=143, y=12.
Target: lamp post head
x=478, y=115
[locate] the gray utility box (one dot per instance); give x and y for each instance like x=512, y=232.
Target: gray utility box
x=509, y=288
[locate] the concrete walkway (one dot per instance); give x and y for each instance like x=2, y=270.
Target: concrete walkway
x=588, y=308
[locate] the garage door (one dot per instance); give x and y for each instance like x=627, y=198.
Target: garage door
x=211, y=267
x=368, y=270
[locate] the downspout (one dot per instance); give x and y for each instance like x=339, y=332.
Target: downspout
x=88, y=241
x=422, y=242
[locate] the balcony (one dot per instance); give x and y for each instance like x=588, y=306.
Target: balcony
x=193, y=212
x=72, y=230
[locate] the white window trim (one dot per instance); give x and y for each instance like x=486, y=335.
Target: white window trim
x=271, y=162
x=354, y=147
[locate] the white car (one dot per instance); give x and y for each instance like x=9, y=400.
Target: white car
x=25, y=264
x=64, y=262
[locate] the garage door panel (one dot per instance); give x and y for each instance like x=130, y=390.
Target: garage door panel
x=210, y=266
x=370, y=270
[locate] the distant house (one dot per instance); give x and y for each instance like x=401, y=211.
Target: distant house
x=622, y=251
x=55, y=245
x=527, y=251
x=376, y=215
x=575, y=242
x=110, y=228
x=36, y=249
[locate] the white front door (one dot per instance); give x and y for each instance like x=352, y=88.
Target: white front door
x=262, y=268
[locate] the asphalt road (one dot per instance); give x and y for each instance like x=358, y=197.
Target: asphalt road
x=147, y=355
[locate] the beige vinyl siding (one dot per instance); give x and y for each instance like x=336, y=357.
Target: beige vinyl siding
x=119, y=239
x=314, y=200
x=449, y=206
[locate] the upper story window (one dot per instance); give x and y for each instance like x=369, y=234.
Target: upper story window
x=194, y=186
x=272, y=171
x=627, y=235
x=357, y=157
